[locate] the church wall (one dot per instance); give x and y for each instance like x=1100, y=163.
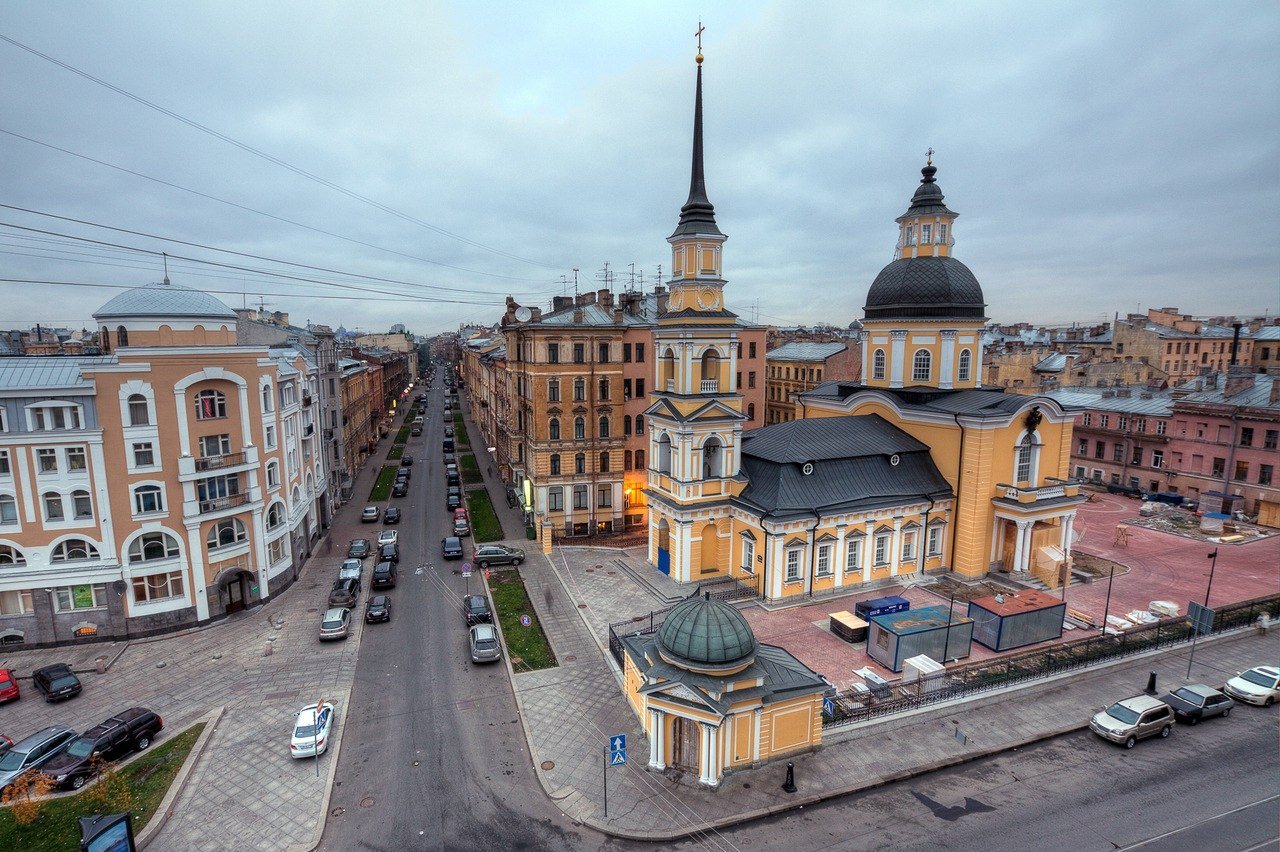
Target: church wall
x=631, y=683
x=791, y=726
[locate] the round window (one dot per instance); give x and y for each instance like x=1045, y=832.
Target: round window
x=893, y=459
x=807, y=469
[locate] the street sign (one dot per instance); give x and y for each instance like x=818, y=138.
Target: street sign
x=525, y=621
x=828, y=707
x=618, y=750
x=1201, y=618
x=466, y=569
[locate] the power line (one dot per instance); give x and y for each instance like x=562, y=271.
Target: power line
x=232, y=292
x=268, y=157
x=260, y=212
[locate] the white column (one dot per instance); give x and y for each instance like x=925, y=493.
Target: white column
x=686, y=551
x=895, y=548
x=997, y=538
x=195, y=558
x=838, y=555
x=946, y=369
x=868, y=550
x=656, y=721
x=897, y=358
x=977, y=359
x=1068, y=528
x=708, y=774
x=1024, y=539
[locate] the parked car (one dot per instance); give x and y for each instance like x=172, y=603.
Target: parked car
x=370, y=515
x=344, y=593
x=132, y=730
x=384, y=576
x=452, y=480
x=388, y=537
x=33, y=752
x=5, y=744
x=497, y=554
x=415, y=430
x=57, y=682
x=418, y=421
x=451, y=547
x=484, y=644
x=1133, y=719
x=400, y=488
x=1259, y=685
x=1196, y=701
x=461, y=527
x=378, y=609
x=9, y=690
x=391, y=516
x=450, y=468
x=403, y=474
x=358, y=548
x=448, y=445
x=351, y=569
x=475, y=609
x=453, y=499
x=406, y=461
x=389, y=553
x=448, y=431
x=311, y=730
x=335, y=623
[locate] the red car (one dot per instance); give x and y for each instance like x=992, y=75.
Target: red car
x=8, y=687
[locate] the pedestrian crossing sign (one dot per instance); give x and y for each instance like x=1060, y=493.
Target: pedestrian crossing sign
x=618, y=750
x=617, y=758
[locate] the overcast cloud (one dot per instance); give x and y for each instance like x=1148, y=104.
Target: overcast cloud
x=1102, y=156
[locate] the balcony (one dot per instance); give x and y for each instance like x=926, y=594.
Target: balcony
x=190, y=468
x=710, y=386
x=217, y=504
x=306, y=400
x=208, y=463
x=308, y=430
x=1031, y=497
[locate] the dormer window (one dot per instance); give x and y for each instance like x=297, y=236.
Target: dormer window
x=926, y=234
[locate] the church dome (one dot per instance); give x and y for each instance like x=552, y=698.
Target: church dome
x=706, y=635
x=925, y=288
x=165, y=300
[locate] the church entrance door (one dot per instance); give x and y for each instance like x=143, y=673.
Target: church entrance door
x=685, y=753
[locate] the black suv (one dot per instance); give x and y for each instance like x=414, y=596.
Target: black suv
x=401, y=488
x=389, y=553
x=57, y=682
x=384, y=576
x=358, y=549
x=124, y=732
x=476, y=610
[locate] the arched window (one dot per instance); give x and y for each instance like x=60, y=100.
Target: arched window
x=877, y=364
x=639, y=424
x=275, y=515
x=138, y=413
x=639, y=459
x=72, y=550
x=579, y=428
x=626, y=460
x=580, y=463
x=710, y=372
x=153, y=546
x=553, y=429
x=268, y=399
x=273, y=474
x=210, y=405
x=122, y=336
x=1027, y=455
x=604, y=427
x=82, y=505
x=53, y=506
x=555, y=464
x=751, y=411
x=922, y=366
x=8, y=509
x=11, y=556
x=147, y=499
x=604, y=462
x=712, y=458
x=226, y=532
x=664, y=454
x=966, y=365
x=104, y=341
x=667, y=371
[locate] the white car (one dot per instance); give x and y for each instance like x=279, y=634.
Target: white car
x=311, y=731
x=388, y=537
x=350, y=570
x=1259, y=685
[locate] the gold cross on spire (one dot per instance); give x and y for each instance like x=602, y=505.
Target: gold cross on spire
x=698, y=34
x=929, y=157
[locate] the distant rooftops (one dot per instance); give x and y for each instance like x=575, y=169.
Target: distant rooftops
x=805, y=351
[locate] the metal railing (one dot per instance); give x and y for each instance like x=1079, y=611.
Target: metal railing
x=852, y=706
x=218, y=462
x=217, y=504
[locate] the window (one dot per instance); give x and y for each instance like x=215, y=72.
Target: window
x=226, y=533
x=555, y=464
x=8, y=510
x=1087, y=420
x=1161, y=425
x=933, y=541
x=1265, y=472
x=152, y=547
x=70, y=598
x=1105, y=421
x=579, y=353
x=553, y=429
x=268, y=400
x=926, y=234
x=664, y=454
x=1082, y=447
x=82, y=505
x=1242, y=471
x=639, y=353
x=11, y=556
x=627, y=462
x=73, y=550
x=1246, y=436
x=275, y=515
x=793, y=565
x=626, y=424
x=626, y=353
x=47, y=460
x=1117, y=452
x=53, y=506
x=751, y=379
x=53, y=417
x=877, y=364
x=1099, y=449
x=269, y=434
x=639, y=424
x=553, y=353
x=277, y=550
x=579, y=390
x=604, y=462
x=143, y=455
x=138, y=413
x=640, y=460
x=604, y=427
x=908, y=545
x=824, y=560
x=16, y=602
x=1026, y=459
x=602, y=353
x=273, y=474
x=640, y=388
x=580, y=496
x=210, y=405
x=76, y=460
x=1219, y=467
x=853, y=554
x=555, y=499
x=751, y=411
x=553, y=390
x=5, y=470
x=1271, y=439
x=1136, y=456
x=579, y=428
x=580, y=463
x=157, y=587
x=966, y=366
x=881, y=556
x=1139, y=424
x=911, y=235
x=738, y=380
x=751, y=349
x=605, y=497
x=215, y=445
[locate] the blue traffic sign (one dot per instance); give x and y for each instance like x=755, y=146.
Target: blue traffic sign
x=618, y=750
x=828, y=707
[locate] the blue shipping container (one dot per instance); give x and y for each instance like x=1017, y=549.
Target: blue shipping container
x=866, y=610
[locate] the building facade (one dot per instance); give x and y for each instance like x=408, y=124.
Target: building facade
x=1122, y=437
x=796, y=367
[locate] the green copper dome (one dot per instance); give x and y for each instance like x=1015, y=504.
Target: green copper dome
x=706, y=635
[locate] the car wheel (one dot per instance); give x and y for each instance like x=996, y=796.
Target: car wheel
x=1131, y=742
x=1194, y=720
x=1166, y=731
x=1270, y=700
x=516, y=561
x=77, y=782
x=1226, y=712
x=143, y=743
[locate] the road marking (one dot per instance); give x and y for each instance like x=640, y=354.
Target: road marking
x=1150, y=840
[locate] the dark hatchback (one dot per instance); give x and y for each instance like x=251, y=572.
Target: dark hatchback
x=384, y=576
x=389, y=553
x=401, y=488
x=57, y=682
x=475, y=608
x=344, y=593
x=406, y=461
x=379, y=609
x=453, y=499
x=451, y=547
x=358, y=548
x=122, y=733
x=1196, y=701
x=391, y=516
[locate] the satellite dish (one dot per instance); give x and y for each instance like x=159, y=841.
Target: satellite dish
x=523, y=314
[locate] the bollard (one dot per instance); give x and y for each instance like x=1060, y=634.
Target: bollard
x=790, y=785
x=1151, y=684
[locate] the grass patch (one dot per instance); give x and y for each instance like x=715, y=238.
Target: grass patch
x=402, y=437
x=485, y=526
x=460, y=431
x=148, y=779
x=396, y=452
x=529, y=644
x=386, y=478
x=471, y=470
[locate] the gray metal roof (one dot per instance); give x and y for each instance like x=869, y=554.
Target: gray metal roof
x=164, y=300
x=1267, y=332
x=1159, y=405
x=1211, y=390
x=48, y=372
x=805, y=351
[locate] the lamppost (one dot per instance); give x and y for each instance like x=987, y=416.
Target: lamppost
x=1107, y=607
x=1195, y=627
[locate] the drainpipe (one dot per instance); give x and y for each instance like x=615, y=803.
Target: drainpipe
x=955, y=526
x=813, y=555
x=924, y=543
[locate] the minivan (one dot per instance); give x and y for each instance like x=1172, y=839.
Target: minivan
x=1133, y=719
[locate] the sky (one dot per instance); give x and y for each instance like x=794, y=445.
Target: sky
x=363, y=164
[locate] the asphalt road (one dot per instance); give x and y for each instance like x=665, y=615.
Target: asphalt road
x=1214, y=786
x=433, y=755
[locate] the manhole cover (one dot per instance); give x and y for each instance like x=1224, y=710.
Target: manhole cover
x=548, y=765
x=613, y=573
x=339, y=811
x=591, y=570
x=570, y=658
x=582, y=606
x=313, y=609
x=366, y=802
x=598, y=567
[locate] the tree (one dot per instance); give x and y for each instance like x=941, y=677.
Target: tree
x=111, y=794
x=26, y=796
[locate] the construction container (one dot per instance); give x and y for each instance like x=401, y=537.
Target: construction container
x=1004, y=622
x=934, y=631
x=880, y=606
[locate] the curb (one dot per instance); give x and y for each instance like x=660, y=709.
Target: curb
x=166, y=807
x=341, y=705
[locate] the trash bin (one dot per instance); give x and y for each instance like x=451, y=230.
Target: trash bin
x=100, y=664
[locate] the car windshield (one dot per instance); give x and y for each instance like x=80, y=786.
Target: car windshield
x=304, y=731
x=80, y=747
x=1124, y=714
x=1189, y=696
x=63, y=681
x=336, y=621
x=1257, y=677
x=12, y=760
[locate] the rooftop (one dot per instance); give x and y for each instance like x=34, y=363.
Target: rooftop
x=1157, y=403
x=165, y=300
x=805, y=351
x=52, y=372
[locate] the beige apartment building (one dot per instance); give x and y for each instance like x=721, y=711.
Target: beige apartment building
x=799, y=366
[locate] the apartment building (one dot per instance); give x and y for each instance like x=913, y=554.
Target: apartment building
x=796, y=367
x=1122, y=437
x=1181, y=345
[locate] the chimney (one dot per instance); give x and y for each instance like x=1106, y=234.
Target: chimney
x=1274, y=396
x=617, y=315
x=1123, y=393
x=537, y=314
x=578, y=315
x=604, y=298
x=559, y=303
x=1239, y=379
x=1146, y=395
x=1235, y=343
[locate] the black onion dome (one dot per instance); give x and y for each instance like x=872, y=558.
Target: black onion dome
x=925, y=288
x=706, y=634
x=928, y=197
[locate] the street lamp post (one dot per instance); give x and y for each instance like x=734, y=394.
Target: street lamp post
x=1195, y=628
x=1107, y=608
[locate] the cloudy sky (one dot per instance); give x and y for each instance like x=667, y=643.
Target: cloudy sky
x=418, y=161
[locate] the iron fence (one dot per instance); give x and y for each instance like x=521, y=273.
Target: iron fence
x=856, y=705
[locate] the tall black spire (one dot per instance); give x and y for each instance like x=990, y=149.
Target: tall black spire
x=697, y=216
